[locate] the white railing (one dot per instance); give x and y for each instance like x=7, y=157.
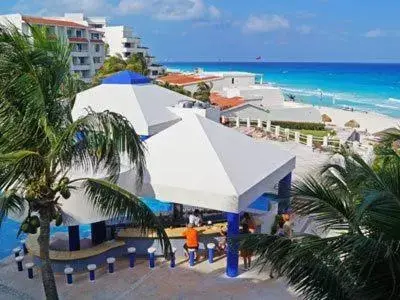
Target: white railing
x=286, y=134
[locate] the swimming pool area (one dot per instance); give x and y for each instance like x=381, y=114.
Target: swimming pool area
x=9, y=228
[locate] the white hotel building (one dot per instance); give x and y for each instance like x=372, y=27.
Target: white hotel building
x=120, y=40
x=88, y=36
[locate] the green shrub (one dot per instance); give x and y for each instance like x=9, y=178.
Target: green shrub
x=299, y=125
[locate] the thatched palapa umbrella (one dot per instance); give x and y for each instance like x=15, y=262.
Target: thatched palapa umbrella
x=352, y=124
x=326, y=118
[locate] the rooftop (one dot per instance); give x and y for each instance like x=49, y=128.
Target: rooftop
x=185, y=79
x=224, y=102
x=49, y=21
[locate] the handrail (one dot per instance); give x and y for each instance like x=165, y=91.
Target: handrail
x=286, y=133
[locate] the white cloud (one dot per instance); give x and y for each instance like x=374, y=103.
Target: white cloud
x=265, y=23
x=302, y=14
x=177, y=10
x=168, y=10
x=214, y=12
x=126, y=7
x=304, y=29
x=375, y=33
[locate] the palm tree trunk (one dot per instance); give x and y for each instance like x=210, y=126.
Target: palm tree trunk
x=49, y=282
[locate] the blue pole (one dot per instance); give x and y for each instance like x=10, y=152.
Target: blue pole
x=91, y=275
x=19, y=260
x=232, y=260
x=172, y=265
x=74, y=239
x=92, y=268
x=16, y=251
x=68, y=273
x=111, y=261
x=132, y=254
x=284, y=187
x=69, y=278
x=211, y=249
x=191, y=257
x=29, y=266
x=151, y=257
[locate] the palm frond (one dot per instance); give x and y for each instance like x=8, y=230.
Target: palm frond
x=104, y=137
x=10, y=202
x=117, y=203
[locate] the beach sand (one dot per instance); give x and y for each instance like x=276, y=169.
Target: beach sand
x=372, y=122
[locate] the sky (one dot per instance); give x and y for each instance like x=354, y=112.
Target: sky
x=239, y=30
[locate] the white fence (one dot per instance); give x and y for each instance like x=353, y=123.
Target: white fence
x=326, y=142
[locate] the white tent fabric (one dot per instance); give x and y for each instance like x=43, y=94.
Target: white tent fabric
x=144, y=105
x=201, y=163
x=195, y=162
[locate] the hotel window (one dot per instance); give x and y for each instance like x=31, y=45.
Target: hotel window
x=96, y=60
x=69, y=33
x=97, y=48
x=79, y=33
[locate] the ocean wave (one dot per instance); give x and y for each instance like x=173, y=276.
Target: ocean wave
x=387, y=106
x=348, y=97
x=394, y=100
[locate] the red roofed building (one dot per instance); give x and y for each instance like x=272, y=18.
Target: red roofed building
x=181, y=79
x=224, y=102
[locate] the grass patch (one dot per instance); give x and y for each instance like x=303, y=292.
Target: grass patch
x=318, y=133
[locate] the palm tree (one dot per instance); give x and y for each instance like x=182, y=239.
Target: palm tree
x=40, y=143
x=203, y=91
x=361, y=260
x=136, y=63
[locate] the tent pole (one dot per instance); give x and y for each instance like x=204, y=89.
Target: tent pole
x=284, y=193
x=232, y=261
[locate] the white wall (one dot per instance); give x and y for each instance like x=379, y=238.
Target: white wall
x=113, y=36
x=15, y=19
x=269, y=96
x=295, y=114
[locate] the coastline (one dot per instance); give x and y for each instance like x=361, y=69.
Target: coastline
x=365, y=87
x=371, y=122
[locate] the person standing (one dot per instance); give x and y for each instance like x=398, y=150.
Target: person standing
x=251, y=224
x=192, y=239
x=245, y=253
x=195, y=218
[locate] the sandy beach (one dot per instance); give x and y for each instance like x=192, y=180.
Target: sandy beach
x=372, y=122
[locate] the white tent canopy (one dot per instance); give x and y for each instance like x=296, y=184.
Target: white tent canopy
x=201, y=163
x=144, y=105
x=195, y=162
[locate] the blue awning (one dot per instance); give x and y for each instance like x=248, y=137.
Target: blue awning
x=126, y=77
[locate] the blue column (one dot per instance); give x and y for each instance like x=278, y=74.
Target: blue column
x=284, y=193
x=232, y=259
x=74, y=239
x=98, y=232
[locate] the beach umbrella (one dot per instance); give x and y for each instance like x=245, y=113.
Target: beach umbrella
x=352, y=124
x=326, y=118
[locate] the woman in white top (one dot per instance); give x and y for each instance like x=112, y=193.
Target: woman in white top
x=194, y=218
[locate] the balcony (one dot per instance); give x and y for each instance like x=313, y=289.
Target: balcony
x=79, y=53
x=80, y=67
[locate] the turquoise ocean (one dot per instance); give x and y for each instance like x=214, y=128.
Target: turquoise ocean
x=367, y=87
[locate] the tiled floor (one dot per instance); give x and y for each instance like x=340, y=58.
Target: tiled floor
x=204, y=281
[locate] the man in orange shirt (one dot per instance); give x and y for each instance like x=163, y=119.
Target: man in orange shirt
x=192, y=239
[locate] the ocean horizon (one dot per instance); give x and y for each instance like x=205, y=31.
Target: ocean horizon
x=371, y=86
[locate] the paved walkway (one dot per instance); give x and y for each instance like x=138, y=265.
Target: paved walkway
x=204, y=281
